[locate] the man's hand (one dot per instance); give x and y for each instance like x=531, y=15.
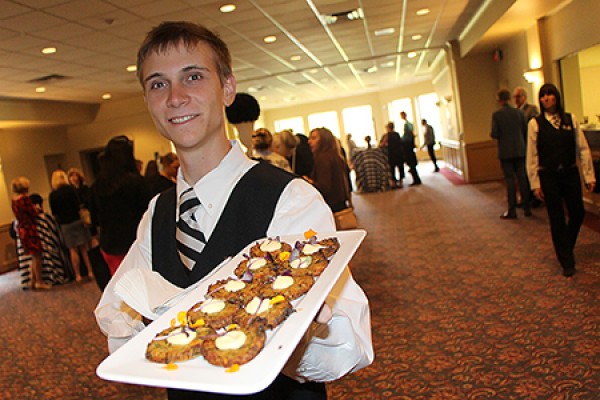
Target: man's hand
x=538, y=193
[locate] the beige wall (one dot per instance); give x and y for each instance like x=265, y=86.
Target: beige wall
x=22, y=152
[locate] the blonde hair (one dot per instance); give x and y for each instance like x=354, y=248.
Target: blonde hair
x=59, y=178
x=20, y=185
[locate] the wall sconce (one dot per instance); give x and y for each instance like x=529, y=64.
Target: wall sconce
x=534, y=75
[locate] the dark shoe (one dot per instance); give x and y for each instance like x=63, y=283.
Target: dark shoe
x=569, y=272
x=509, y=215
x=436, y=169
x=528, y=212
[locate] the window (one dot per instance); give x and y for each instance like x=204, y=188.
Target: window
x=358, y=121
x=296, y=124
x=327, y=119
x=394, y=109
x=429, y=110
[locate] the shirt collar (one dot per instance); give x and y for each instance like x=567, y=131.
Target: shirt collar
x=209, y=189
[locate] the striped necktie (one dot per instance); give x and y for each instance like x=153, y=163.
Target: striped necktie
x=189, y=237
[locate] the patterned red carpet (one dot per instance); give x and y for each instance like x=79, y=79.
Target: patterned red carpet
x=464, y=306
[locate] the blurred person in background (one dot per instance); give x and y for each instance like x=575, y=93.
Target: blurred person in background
x=261, y=143
x=555, y=142
x=329, y=174
x=65, y=206
x=120, y=197
x=26, y=230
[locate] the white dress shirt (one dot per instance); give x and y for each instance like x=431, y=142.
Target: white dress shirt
x=300, y=207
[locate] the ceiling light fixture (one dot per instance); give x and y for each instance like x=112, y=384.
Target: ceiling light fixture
x=227, y=8
x=106, y=96
x=412, y=54
x=423, y=11
x=416, y=37
x=49, y=50
x=296, y=58
x=131, y=68
x=270, y=39
x=40, y=89
x=350, y=15
x=384, y=32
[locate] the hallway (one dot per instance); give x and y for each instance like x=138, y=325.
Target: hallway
x=464, y=306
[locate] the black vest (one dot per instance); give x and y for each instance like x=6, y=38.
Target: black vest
x=245, y=218
x=556, y=147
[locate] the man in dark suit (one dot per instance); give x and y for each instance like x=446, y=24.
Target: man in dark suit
x=530, y=111
x=509, y=129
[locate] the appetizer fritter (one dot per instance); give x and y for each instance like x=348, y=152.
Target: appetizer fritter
x=236, y=346
x=179, y=343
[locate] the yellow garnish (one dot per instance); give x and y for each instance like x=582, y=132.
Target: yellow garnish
x=231, y=327
x=309, y=233
x=182, y=317
x=276, y=299
x=197, y=324
x=284, y=255
x=171, y=366
x=233, y=368
x=173, y=323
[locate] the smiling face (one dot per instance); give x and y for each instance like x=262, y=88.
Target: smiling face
x=185, y=96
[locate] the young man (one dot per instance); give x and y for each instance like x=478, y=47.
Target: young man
x=429, y=143
x=185, y=71
x=408, y=142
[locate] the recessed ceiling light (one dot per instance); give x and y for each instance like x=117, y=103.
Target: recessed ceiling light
x=270, y=39
x=412, y=54
x=106, y=96
x=40, y=89
x=131, y=68
x=227, y=8
x=252, y=89
x=385, y=31
x=263, y=98
x=423, y=11
x=388, y=64
x=296, y=58
x=49, y=50
x=416, y=37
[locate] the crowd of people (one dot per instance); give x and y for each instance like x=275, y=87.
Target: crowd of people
x=59, y=247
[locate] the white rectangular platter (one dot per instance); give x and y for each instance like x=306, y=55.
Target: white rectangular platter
x=129, y=365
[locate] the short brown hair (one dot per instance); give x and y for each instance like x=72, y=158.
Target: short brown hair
x=170, y=34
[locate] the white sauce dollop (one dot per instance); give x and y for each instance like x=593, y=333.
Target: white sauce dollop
x=257, y=306
x=234, y=286
x=256, y=263
x=212, y=306
x=311, y=248
x=232, y=340
x=283, y=282
x=179, y=338
x=270, y=245
x=301, y=262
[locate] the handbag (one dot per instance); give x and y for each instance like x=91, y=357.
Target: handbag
x=345, y=219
